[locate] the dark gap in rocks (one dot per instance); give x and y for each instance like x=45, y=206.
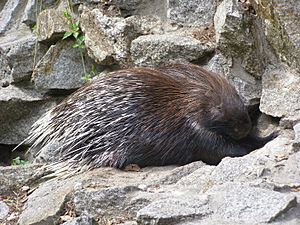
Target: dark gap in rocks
x=7, y=154
x=202, y=61
x=60, y=92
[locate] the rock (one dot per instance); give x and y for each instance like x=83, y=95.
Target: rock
x=265, y=125
x=19, y=47
x=51, y=25
x=281, y=28
x=109, y=202
x=82, y=220
x=297, y=134
x=246, y=85
x=289, y=121
x=198, y=12
x=94, y=192
x=238, y=37
x=4, y=210
x=177, y=173
x=14, y=177
x=199, y=178
x=5, y=70
x=242, y=203
x=62, y=68
x=281, y=93
x=142, y=7
x=19, y=109
x=143, y=25
x=7, y=13
x=172, y=210
x=155, y=50
x=216, y=64
x=54, y=194
x=260, y=166
x=30, y=11
x=107, y=38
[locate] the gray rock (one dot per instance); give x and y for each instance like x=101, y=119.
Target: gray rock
x=109, y=202
x=177, y=173
x=289, y=121
x=4, y=210
x=19, y=109
x=5, y=70
x=14, y=177
x=19, y=47
x=61, y=67
x=198, y=12
x=237, y=37
x=82, y=220
x=297, y=132
x=90, y=189
x=259, y=166
x=7, y=13
x=51, y=25
x=281, y=28
x=246, y=85
x=242, y=203
x=142, y=7
x=216, y=64
x=155, y=50
x=172, y=210
x=150, y=24
x=281, y=93
x=265, y=125
x=54, y=194
x=32, y=9
x=107, y=38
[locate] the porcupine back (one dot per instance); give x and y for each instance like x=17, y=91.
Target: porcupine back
x=149, y=117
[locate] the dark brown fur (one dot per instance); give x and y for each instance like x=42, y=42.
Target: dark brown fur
x=150, y=117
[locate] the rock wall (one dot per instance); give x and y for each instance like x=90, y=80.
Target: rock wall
x=255, y=44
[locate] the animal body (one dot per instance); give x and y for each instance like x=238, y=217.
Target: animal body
x=150, y=117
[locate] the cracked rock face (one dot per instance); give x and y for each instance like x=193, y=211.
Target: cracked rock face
x=254, y=44
x=244, y=190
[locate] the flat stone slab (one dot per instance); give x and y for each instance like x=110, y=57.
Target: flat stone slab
x=247, y=204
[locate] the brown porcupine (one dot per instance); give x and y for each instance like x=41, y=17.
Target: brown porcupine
x=150, y=117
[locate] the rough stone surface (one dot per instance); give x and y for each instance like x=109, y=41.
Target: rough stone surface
x=5, y=70
x=49, y=213
x=257, y=49
x=281, y=93
x=155, y=50
x=19, y=109
x=248, y=87
x=82, y=220
x=7, y=13
x=61, y=68
x=235, y=30
x=4, y=210
x=51, y=25
x=172, y=210
x=199, y=12
x=19, y=49
x=281, y=28
x=14, y=177
x=107, y=38
x=142, y=7
x=249, y=204
x=31, y=10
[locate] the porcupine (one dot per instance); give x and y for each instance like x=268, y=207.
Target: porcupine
x=170, y=115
